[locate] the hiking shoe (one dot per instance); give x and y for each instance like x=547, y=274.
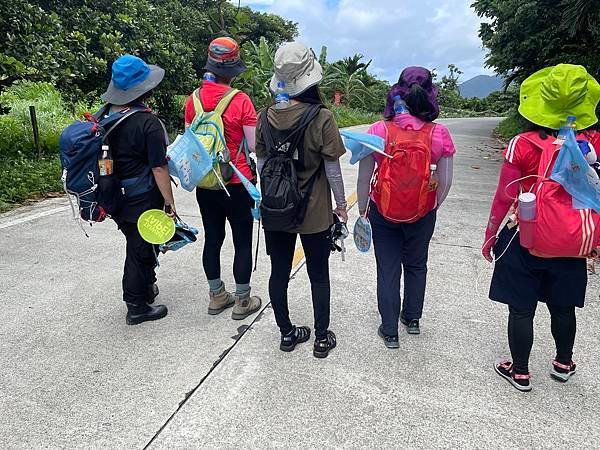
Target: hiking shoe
x=297, y=336
x=412, y=326
x=390, y=341
x=245, y=305
x=504, y=368
x=562, y=372
x=220, y=301
x=152, y=293
x=325, y=345
x=137, y=314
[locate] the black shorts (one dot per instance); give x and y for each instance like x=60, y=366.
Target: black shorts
x=521, y=279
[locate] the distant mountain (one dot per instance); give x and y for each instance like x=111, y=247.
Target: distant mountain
x=481, y=86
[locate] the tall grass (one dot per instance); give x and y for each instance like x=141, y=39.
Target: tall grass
x=53, y=115
x=348, y=117
x=22, y=176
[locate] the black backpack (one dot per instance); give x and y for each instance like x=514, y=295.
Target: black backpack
x=283, y=205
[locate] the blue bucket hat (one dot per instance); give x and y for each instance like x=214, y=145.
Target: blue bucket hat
x=131, y=78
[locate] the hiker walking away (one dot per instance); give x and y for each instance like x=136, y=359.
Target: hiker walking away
x=138, y=147
x=234, y=206
x=549, y=264
x=403, y=199
x=298, y=148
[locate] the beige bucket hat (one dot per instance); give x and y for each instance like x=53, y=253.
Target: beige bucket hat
x=297, y=66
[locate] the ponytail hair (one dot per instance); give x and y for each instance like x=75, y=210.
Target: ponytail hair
x=418, y=103
x=311, y=95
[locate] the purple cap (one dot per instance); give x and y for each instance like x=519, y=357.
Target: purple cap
x=409, y=77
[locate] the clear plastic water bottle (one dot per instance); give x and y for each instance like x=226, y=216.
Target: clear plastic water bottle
x=105, y=163
x=434, y=179
x=282, y=98
x=400, y=106
x=209, y=76
x=568, y=125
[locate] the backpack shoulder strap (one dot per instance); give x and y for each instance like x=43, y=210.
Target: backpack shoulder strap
x=296, y=133
x=265, y=131
x=225, y=101
x=115, y=120
x=197, y=99
x=426, y=134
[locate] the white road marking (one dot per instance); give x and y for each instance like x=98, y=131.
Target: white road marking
x=33, y=217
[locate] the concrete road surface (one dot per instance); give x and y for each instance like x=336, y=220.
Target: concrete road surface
x=73, y=375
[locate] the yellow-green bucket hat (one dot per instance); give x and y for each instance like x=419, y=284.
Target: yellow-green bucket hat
x=551, y=94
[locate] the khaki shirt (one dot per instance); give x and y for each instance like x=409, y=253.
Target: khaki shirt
x=322, y=141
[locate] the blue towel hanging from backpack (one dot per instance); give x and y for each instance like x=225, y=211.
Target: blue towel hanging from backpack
x=578, y=178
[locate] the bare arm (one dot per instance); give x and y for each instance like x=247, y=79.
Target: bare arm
x=445, y=170
x=363, y=186
x=250, y=135
x=163, y=181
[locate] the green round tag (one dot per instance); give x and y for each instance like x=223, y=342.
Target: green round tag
x=156, y=227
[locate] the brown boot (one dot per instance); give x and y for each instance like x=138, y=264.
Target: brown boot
x=245, y=305
x=220, y=301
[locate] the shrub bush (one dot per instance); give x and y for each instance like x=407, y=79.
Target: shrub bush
x=348, y=117
x=511, y=126
x=53, y=115
x=22, y=179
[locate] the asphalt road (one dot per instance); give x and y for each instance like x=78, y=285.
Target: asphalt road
x=73, y=375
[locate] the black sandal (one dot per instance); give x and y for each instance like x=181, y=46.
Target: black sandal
x=297, y=336
x=325, y=345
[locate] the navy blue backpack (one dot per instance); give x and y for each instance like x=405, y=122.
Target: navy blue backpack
x=80, y=148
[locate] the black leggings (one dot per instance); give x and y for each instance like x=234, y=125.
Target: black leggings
x=520, y=334
x=216, y=207
x=281, y=247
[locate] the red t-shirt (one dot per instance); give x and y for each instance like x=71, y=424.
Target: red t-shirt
x=526, y=156
x=238, y=114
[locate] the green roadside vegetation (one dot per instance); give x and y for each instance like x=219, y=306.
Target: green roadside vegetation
x=56, y=56
x=520, y=42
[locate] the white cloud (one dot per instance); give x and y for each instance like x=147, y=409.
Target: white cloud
x=393, y=33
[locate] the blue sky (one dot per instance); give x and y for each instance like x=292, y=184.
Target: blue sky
x=394, y=34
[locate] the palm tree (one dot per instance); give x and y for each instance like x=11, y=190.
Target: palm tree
x=578, y=15
x=352, y=64
x=347, y=78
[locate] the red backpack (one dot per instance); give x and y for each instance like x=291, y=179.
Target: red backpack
x=560, y=230
x=401, y=186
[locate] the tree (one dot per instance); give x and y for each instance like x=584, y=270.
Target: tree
x=449, y=93
x=72, y=43
x=347, y=77
x=255, y=81
x=580, y=16
x=525, y=36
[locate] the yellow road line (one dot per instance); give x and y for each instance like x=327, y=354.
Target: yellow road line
x=299, y=253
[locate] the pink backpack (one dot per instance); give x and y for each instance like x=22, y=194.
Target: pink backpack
x=560, y=230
